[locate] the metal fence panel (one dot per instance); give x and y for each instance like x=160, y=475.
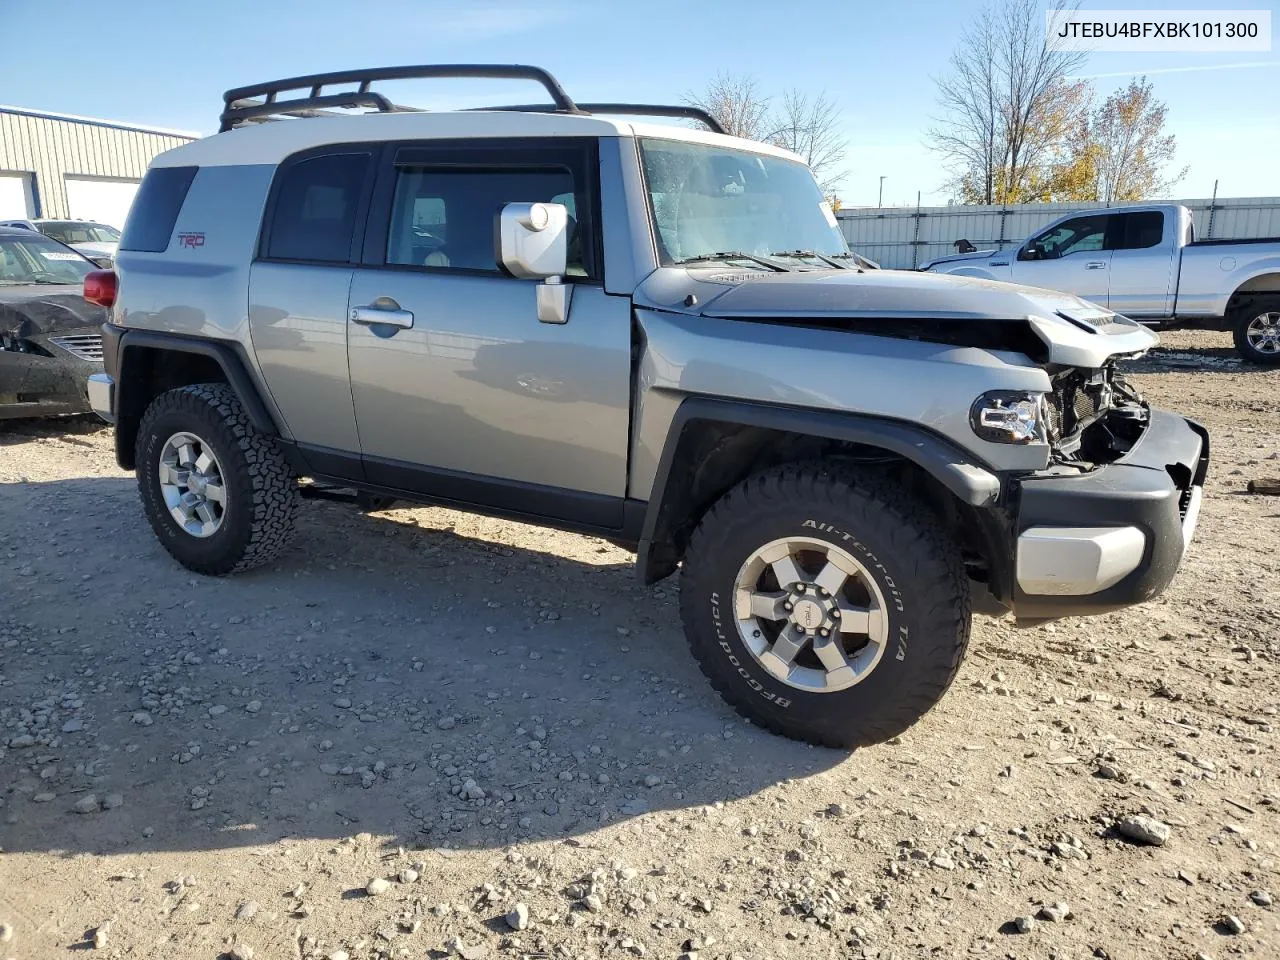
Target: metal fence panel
x=905, y=237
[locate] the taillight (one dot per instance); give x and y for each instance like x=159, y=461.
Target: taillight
x=100, y=287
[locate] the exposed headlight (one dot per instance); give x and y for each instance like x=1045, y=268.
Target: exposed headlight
x=1003, y=416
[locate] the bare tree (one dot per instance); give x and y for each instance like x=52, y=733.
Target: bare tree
x=1131, y=147
x=810, y=126
x=806, y=124
x=735, y=101
x=970, y=136
x=1008, y=106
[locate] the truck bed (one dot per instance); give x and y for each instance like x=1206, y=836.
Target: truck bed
x=1218, y=243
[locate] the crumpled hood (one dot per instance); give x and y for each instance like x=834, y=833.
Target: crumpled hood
x=1077, y=333
x=33, y=309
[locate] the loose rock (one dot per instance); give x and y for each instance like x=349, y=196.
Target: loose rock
x=1055, y=912
x=377, y=886
x=518, y=916
x=1145, y=830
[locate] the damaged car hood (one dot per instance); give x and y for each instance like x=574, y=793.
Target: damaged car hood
x=32, y=309
x=1074, y=331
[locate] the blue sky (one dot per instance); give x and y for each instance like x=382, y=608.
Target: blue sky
x=167, y=63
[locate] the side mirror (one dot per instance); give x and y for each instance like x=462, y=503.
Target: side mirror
x=106, y=263
x=1032, y=251
x=533, y=244
x=533, y=240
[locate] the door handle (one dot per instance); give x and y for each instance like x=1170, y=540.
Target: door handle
x=1096, y=265
x=391, y=316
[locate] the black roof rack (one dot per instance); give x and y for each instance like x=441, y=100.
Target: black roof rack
x=242, y=105
x=630, y=109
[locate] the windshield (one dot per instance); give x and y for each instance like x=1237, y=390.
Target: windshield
x=39, y=261
x=709, y=200
x=65, y=231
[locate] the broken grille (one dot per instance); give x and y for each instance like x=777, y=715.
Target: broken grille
x=86, y=346
x=1074, y=403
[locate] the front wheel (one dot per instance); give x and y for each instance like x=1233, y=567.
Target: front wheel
x=825, y=605
x=1257, y=331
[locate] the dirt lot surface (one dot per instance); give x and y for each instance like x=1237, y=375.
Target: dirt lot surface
x=419, y=719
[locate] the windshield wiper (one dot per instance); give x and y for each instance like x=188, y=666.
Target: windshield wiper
x=810, y=255
x=735, y=255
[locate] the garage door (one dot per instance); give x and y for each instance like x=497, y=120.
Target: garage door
x=104, y=201
x=15, y=197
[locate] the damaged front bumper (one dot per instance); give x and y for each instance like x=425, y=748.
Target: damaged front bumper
x=1141, y=513
x=45, y=375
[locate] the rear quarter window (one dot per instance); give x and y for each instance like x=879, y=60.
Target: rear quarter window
x=312, y=216
x=155, y=208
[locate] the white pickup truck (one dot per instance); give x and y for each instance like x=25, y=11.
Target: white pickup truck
x=1145, y=263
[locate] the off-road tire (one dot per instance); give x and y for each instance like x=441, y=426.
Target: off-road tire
x=897, y=538
x=1256, y=307
x=262, y=489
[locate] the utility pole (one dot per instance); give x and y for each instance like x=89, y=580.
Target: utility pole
x=880, y=202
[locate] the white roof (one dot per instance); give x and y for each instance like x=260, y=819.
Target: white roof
x=97, y=121
x=272, y=141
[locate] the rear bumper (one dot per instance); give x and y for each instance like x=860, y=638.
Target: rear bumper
x=1142, y=512
x=102, y=396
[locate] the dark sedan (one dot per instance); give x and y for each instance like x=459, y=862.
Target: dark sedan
x=50, y=336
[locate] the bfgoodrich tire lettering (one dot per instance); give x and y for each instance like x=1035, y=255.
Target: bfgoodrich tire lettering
x=897, y=540
x=260, y=488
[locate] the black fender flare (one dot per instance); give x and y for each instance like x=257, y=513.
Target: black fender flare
x=970, y=481
x=127, y=350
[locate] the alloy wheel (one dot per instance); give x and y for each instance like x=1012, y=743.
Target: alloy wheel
x=191, y=484
x=811, y=614
x=1263, y=332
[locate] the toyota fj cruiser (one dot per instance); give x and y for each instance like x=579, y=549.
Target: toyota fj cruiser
x=649, y=333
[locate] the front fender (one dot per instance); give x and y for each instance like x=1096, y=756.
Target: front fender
x=668, y=507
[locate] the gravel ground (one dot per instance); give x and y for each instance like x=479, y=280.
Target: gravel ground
x=426, y=733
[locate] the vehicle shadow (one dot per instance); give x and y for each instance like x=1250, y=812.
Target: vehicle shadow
x=399, y=674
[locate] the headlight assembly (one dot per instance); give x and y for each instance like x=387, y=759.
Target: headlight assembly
x=1004, y=416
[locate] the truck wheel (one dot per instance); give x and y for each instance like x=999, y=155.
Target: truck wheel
x=1257, y=331
x=825, y=605
x=219, y=495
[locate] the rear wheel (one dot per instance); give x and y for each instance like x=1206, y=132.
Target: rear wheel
x=1257, y=331
x=825, y=605
x=219, y=495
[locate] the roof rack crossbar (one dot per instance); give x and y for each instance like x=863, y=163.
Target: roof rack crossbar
x=632, y=109
x=244, y=111
x=233, y=113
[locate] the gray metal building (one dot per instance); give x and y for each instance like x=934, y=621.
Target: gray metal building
x=61, y=166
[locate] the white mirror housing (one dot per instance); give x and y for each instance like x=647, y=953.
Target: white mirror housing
x=533, y=240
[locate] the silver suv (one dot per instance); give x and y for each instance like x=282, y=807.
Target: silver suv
x=645, y=332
